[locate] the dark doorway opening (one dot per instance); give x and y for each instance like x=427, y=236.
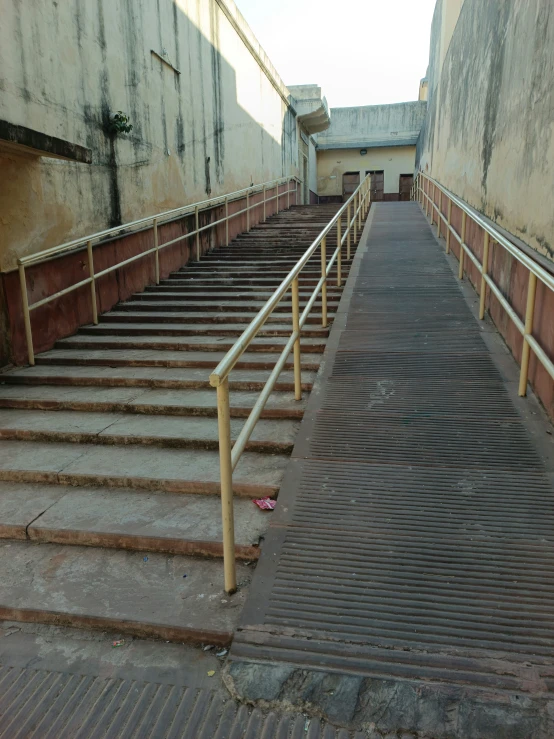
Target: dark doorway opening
x=377, y=184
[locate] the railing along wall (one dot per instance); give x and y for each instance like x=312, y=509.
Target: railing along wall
x=433, y=197
x=353, y=211
x=98, y=239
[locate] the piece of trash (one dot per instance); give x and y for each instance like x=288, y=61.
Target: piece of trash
x=207, y=647
x=184, y=575
x=145, y=559
x=247, y=564
x=266, y=504
x=307, y=724
x=118, y=643
x=211, y=673
x=222, y=653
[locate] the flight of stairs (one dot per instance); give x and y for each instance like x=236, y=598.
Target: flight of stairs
x=109, y=474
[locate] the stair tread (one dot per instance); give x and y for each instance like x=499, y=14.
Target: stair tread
x=138, y=514
x=209, y=359
x=135, y=396
x=84, y=585
x=224, y=343
x=146, y=374
x=125, y=428
x=200, y=327
x=179, y=470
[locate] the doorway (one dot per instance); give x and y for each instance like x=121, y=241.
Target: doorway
x=350, y=181
x=377, y=184
x=405, y=186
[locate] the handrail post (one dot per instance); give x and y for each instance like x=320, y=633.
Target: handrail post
x=439, y=214
x=296, y=327
x=226, y=474
x=197, y=226
x=339, y=253
x=484, y=270
x=156, y=253
x=264, y=206
x=226, y=220
x=278, y=195
x=462, y=242
x=449, y=225
x=526, y=350
x=324, y=285
x=348, y=221
x=247, y=211
x=360, y=206
x=288, y=195
x=93, y=282
x=26, y=314
x=355, y=221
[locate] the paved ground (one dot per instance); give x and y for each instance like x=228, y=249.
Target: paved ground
x=406, y=580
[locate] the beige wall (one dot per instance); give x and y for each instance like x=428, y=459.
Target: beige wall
x=489, y=133
x=219, y=125
x=333, y=163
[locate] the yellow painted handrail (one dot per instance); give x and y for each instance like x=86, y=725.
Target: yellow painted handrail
x=155, y=221
x=536, y=272
x=229, y=454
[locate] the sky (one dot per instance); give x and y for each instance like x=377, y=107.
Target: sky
x=360, y=52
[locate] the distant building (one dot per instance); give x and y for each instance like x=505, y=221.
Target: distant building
x=375, y=139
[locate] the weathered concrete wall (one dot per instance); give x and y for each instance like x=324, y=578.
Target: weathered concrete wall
x=489, y=134
x=219, y=125
x=333, y=163
x=374, y=125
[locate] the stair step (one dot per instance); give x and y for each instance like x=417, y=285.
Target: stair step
x=127, y=519
x=153, y=377
x=194, y=343
x=197, y=432
x=145, y=401
x=120, y=316
x=252, y=307
x=222, y=329
x=118, y=591
x=114, y=357
x=138, y=467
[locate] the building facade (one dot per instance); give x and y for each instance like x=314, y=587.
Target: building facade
x=376, y=139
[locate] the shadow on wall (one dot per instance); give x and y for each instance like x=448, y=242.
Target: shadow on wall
x=215, y=146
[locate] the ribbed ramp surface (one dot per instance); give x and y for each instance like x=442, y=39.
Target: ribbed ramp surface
x=412, y=550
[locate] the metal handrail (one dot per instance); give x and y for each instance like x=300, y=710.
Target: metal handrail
x=125, y=229
x=536, y=272
x=356, y=208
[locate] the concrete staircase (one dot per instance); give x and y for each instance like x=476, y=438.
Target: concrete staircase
x=109, y=454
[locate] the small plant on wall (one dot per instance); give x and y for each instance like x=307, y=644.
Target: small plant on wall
x=119, y=123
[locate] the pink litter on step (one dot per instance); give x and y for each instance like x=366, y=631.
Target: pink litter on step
x=266, y=504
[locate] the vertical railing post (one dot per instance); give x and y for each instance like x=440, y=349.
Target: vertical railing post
x=449, y=225
x=265, y=218
x=339, y=253
x=348, y=224
x=247, y=210
x=278, y=194
x=26, y=314
x=324, y=285
x=197, y=226
x=226, y=474
x=484, y=271
x=93, y=282
x=156, y=253
x=360, y=206
x=288, y=195
x=226, y=221
x=355, y=221
x=526, y=350
x=462, y=242
x=439, y=215
x=296, y=328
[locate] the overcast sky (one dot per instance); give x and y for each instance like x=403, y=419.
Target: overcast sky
x=361, y=52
